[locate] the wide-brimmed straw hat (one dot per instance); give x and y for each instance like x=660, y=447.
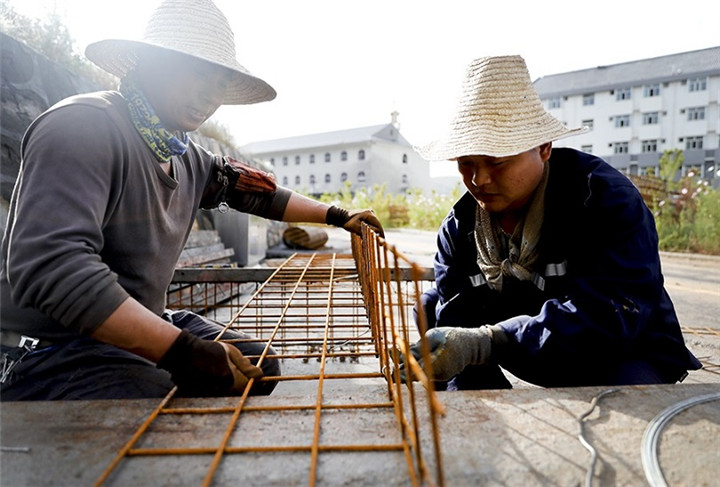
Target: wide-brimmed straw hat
x=499, y=114
x=193, y=27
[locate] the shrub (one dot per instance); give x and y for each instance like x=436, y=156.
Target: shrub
x=413, y=209
x=688, y=220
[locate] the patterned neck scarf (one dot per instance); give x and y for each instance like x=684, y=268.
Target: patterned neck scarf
x=163, y=143
x=515, y=255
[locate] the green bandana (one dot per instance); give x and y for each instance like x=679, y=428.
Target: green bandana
x=161, y=141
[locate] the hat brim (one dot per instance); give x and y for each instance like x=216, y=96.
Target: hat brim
x=119, y=56
x=481, y=142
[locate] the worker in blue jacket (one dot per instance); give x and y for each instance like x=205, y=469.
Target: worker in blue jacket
x=548, y=266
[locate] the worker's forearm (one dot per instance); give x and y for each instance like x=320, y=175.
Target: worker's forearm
x=303, y=209
x=135, y=328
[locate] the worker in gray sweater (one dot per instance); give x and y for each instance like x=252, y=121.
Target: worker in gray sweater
x=108, y=191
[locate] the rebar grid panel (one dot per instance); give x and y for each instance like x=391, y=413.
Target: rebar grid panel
x=338, y=324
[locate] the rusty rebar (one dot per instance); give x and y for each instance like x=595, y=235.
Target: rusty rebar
x=323, y=307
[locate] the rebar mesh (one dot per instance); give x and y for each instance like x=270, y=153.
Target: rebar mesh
x=338, y=324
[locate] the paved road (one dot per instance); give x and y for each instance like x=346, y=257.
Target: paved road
x=693, y=283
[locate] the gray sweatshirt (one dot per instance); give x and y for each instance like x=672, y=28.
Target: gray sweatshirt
x=94, y=218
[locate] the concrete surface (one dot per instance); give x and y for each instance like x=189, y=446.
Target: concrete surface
x=520, y=437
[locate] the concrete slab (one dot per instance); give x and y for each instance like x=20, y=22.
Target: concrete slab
x=525, y=436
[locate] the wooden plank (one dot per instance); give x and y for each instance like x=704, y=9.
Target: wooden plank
x=201, y=238
x=199, y=251
x=206, y=258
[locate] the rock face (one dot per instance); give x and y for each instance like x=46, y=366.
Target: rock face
x=30, y=85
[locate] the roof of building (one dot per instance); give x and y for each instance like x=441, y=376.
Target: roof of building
x=672, y=67
x=387, y=132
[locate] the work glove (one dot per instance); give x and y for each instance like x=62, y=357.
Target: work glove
x=352, y=220
x=453, y=349
x=206, y=368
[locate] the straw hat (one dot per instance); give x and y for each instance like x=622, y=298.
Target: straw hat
x=499, y=114
x=193, y=27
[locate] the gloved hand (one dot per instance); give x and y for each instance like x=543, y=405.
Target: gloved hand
x=352, y=220
x=206, y=368
x=453, y=349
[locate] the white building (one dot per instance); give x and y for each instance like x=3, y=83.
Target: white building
x=639, y=109
x=365, y=157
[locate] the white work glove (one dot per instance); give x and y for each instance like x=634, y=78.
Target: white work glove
x=453, y=349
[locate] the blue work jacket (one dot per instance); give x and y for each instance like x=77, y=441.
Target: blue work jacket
x=597, y=299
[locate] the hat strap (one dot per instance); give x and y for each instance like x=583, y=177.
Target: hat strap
x=163, y=143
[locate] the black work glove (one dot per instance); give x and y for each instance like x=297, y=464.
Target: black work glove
x=352, y=220
x=206, y=368
x=453, y=349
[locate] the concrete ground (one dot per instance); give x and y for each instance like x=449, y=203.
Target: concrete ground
x=523, y=437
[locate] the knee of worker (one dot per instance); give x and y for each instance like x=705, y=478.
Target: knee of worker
x=428, y=302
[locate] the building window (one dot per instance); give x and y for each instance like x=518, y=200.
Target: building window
x=694, y=143
x=622, y=121
x=312, y=179
x=297, y=160
x=284, y=160
x=327, y=157
x=589, y=99
x=343, y=156
x=649, y=145
x=696, y=113
x=328, y=178
x=623, y=94
x=285, y=180
x=361, y=177
x=404, y=179
x=697, y=84
x=651, y=90
x=312, y=158
x=343, y=177
x=272, y=161
x=586, y=148
x=297, y=180
x=620, y=148
x=404, y=159
x=589, y=123
x=361, y=155
x=650, y=118
x=554, y=102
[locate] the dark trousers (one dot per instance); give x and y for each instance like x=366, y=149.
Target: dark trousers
x=84, y=368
